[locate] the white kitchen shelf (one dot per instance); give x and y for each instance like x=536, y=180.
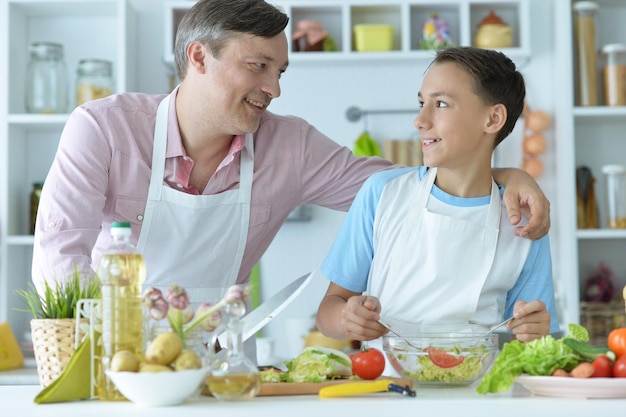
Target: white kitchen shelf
x=592, y=137
x=37, y=121
x=87, y=29
x=599, y=112
x=591, y=234
x=407, y=17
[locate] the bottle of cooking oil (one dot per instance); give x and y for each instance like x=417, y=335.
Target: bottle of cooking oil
x=122, y=271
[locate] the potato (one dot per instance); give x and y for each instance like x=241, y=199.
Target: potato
x=164, y=349
x=124, y=361
x=151, y=367
x=188, y=359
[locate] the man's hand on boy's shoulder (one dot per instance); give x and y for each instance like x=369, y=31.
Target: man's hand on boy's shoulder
x=525, y=198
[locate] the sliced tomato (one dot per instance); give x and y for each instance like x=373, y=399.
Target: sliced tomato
x=443, y=359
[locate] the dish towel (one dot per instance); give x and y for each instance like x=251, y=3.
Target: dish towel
x=75, y=381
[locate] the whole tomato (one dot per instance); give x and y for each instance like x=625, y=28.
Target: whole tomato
x=619, y=367
x=602, y=367
x=368, y=363
x=617, y=341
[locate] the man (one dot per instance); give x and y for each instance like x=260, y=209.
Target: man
x=206, y=175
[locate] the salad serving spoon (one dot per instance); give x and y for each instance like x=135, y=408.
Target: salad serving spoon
x=386, y=326
x=496, y=327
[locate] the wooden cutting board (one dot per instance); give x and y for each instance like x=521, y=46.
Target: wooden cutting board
x=310, y=388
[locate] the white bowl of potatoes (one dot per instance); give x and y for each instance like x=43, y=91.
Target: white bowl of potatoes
x=158, y=389
x=166, y=375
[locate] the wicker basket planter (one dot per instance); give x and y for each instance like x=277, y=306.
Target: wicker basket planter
x=53, y=345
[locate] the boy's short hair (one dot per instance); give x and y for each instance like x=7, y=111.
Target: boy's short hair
x=496, y=80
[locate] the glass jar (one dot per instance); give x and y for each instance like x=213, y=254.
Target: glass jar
x=94, y=79
x=614, y=74
x=34, y=204
x=585, y=51
x=233, y=377
x=616, y=195
x=46, y=79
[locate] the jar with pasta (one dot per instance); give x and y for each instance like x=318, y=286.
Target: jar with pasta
x=94, y=80
x=586, y=53
x=614, y=74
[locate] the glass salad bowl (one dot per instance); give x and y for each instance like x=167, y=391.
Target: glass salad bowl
x=442, y=358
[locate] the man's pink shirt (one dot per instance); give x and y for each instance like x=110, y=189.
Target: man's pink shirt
x=101, y=174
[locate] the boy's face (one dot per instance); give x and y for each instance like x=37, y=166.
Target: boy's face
x=453, y=119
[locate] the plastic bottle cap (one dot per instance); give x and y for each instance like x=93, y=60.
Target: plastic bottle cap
x=120, y=224
x=613, y=169
x=585, y=5
x=614, y=47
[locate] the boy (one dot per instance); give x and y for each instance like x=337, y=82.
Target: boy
x=432, y=245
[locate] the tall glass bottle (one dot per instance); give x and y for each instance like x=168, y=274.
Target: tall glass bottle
x=122, y=272
x=586, y=52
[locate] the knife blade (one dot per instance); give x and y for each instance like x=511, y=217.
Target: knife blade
x=260, y=316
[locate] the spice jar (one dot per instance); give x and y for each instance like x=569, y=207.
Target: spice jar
x=94, y=79
x=614, y=74
x=585, y=51
x=34, y=204
x=616, y=195
x=46, y=79
x=493, y=32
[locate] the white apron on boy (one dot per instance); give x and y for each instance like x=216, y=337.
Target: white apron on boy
x=416, y=287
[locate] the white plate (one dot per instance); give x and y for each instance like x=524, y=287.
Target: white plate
x=556, y=386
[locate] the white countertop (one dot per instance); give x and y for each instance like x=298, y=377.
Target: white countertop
x=17, y=401
x=27, y=375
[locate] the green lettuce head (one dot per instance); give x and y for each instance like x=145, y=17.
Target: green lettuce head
x=316, y=364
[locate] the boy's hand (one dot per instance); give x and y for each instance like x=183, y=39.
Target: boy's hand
x=531, y=320
x=360, y=318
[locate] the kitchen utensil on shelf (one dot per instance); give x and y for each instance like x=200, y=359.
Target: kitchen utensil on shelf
x=355, y=388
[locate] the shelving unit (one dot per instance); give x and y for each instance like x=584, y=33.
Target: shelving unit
x=86, y=29
x=407, y=17
x=593, y=137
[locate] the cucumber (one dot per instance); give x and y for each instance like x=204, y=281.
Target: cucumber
x=588, y=352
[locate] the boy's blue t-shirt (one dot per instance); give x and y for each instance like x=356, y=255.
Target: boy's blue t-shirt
x=350, y=258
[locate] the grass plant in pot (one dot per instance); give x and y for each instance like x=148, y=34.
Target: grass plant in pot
x=54, y=320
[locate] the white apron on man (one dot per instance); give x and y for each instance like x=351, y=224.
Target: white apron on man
x=196, y=241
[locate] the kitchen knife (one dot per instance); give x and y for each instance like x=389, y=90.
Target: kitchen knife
x=354, y=388
x=260, y=316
